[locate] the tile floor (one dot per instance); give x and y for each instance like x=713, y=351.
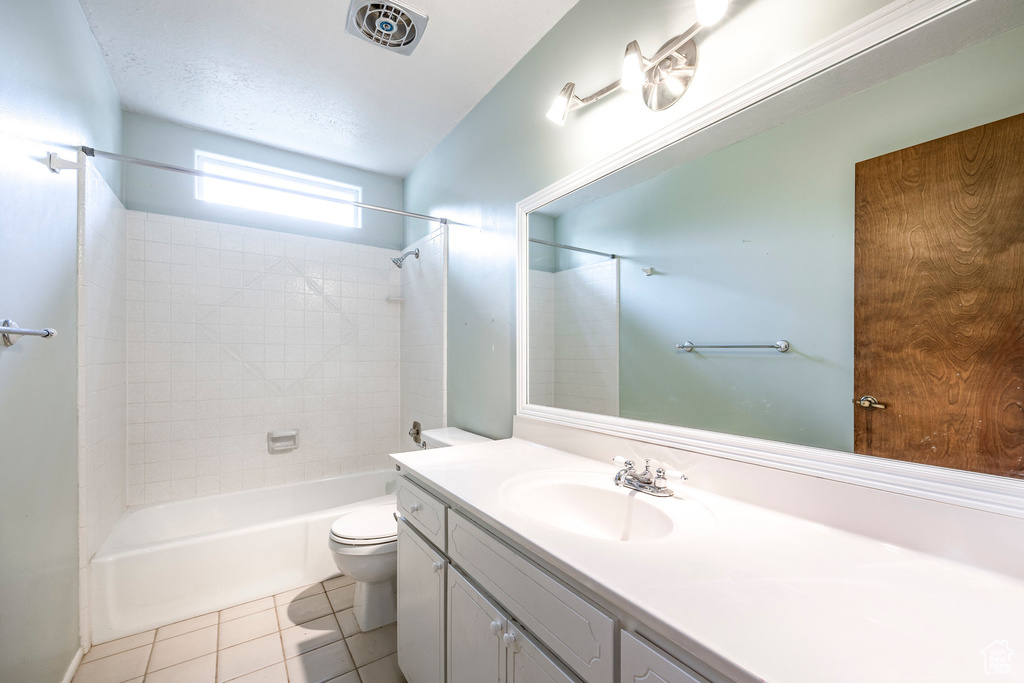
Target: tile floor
x=307, y=635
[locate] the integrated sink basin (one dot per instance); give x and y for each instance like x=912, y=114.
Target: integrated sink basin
x=589, y=504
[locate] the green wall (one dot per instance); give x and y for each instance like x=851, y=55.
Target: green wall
x=505, y=150
x=54, y=94
x=754, y=243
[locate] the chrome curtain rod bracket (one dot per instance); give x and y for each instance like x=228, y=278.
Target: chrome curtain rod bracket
x=781, y=346
x=10, y=332
x=566, y=246
x=90, y=152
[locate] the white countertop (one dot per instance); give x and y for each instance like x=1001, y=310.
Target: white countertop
x=762, y=595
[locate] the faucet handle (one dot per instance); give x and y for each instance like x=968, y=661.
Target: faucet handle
x=660, y=479
x=619, y=460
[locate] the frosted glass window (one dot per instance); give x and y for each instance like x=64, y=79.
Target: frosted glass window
x=312, y=208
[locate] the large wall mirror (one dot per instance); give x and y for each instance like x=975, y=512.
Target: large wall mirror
x=863, y=229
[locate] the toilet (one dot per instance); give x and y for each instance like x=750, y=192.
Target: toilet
x=364, y=543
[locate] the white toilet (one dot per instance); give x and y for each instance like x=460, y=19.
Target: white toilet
x=364, y=543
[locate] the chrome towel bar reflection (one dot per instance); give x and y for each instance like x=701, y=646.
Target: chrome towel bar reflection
x=9, y=330
x=781, y=346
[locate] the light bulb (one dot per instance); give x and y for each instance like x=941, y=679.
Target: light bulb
x=710, y=12
x=632, y=67
x=563, y=103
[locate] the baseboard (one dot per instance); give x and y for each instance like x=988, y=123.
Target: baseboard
x=73, y=667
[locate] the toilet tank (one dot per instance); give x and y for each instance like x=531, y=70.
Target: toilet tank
x=450, y=436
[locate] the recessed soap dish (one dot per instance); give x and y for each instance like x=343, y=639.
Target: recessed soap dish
x=283, y=441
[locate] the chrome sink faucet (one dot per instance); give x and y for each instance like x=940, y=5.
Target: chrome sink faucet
x=654, y=484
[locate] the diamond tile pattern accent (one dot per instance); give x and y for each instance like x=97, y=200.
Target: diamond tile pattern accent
x=326, y=648
x=234, y=332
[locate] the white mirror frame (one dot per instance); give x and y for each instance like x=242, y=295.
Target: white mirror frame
x=968, y=489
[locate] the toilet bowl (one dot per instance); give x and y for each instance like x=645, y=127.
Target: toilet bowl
x=364, y=543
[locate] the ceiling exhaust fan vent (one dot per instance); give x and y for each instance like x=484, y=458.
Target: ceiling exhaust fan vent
x=388, y=24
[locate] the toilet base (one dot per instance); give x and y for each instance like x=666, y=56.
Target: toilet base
x=375, y=604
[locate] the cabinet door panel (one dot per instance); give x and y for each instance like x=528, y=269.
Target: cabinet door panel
x=421, y=608
x=527, y=663
x=576, y=631
x=475, y=650
x=641, y=663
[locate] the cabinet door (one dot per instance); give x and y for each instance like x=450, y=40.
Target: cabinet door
x=421, y=608
x=641, y=663
x=527, y=663
x=475, y=628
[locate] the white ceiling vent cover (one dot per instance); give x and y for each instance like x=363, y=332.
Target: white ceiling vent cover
x=388, y=24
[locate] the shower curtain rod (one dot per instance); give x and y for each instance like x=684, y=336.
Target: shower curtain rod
x=566, y=246
x=90, y=152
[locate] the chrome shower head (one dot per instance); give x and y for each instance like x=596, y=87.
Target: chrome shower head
x=398, y=260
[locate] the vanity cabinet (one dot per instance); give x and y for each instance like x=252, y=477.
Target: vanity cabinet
x=475, y=630
x=642, y=663
x=421, y=608
x=480, y=612
x=485, y=645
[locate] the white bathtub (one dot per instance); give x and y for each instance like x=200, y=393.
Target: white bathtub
x=172, y=561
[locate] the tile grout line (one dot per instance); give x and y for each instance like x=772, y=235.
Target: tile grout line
x=280, y=638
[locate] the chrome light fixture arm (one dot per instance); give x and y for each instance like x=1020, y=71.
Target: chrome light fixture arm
x=663, y=78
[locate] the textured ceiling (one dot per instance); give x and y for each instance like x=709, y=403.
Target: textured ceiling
x=285, y=72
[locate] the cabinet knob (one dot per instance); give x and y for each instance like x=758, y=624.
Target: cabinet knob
x=415, y=507
x=496, y=627
x=509, y=639
x=438, y=566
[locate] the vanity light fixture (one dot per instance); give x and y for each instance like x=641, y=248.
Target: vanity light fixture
x=662, y=79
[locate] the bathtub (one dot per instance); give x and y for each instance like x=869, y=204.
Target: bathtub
x=172, y=561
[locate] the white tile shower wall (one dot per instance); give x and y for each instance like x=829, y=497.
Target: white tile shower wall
x=587, y=338
x=542, y=338
x=102, y=356
x=423, y=324
x=234, y=332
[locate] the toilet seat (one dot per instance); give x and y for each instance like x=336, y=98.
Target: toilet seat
x=371, y=525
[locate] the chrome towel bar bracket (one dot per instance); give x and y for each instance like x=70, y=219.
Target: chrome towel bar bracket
x=781, y=346
x=10, y=332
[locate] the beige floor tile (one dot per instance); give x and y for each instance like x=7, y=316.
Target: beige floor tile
x=246, y=609
x=350, y=677
x=253, y=626
x=248, y=657
x=373, y=645
x=302, y=610
x=116, y=668
x=342, y=598
x=272, y=674
x=338, y=582
x=320, y=665
x=309, y=636
x=348, y=623
x=187, y=626
x=298, y=594
x=200, y=670
x=183, y=648
x=112, y=647
x=382, y=671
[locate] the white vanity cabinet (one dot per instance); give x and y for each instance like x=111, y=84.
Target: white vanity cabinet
x=527, y=663
x=480, y=611
x=642, y=663
x=484, y=645
x=421, y=608
x=475, y=629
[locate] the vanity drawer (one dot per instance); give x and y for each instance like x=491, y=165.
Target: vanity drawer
x=422, y=510
x=573, y=629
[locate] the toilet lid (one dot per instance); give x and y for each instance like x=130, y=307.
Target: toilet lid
x=367, y=524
